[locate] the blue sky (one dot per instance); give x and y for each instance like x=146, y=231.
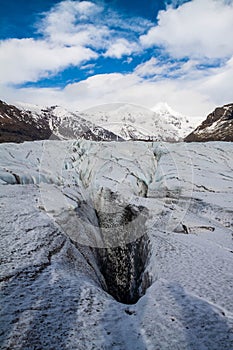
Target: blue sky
x=82, y=53
x=18, y=17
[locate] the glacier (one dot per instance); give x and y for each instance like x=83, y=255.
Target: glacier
x=116, y=245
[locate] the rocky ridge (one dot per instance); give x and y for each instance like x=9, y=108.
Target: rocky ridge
x=218, y=126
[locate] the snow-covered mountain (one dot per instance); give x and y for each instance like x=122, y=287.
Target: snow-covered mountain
x=28, y=122
x=109, y=245
x=24, y=122
x=218, y=126
x=139, y=123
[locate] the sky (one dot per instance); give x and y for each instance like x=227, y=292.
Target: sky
x=80, y=54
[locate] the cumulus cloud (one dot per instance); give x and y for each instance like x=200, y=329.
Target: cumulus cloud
x=155, y=69
x=60, y=46
x=148, y=68
x=199, y=28
x=63, y=17
x=71, y=33
x=75, y=23
x=120, y=48
x=184, y=96
x=193, y=94
x=158, y=69
x=23, y=60
x=93, y=25
x=193, y=69
x=219, y=83
x=129, y=88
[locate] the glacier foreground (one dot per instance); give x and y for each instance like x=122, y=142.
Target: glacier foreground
x=116, y=245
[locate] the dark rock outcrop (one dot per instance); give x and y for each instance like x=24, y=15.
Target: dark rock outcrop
x=19, y=126
x=218, y=126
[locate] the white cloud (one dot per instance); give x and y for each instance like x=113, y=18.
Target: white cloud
x=148, y=68
x=101, y=88
x=193, y=93
x=89, y=66
x=199, y=28
x=121, y=47
x=129, y=88
x=62, y=17
x=92, y=25
x=157, y=69
x=75, y=23
x=61, y=45
x=74, y=32
x=87, y=35
x=219, y=83
x=23, y=60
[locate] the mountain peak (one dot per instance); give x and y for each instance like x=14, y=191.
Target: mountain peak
x=164, y=107
x=130, y=121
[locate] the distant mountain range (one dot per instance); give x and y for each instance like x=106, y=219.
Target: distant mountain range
x=29, y=123
x=111, y=122
x=218, y=126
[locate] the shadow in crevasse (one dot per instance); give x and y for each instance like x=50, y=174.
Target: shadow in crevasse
x=63, y=306
x=206, y=327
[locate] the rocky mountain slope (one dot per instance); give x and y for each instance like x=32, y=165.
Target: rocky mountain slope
x=28, y=123
x=18, y=125
x=218, y=126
